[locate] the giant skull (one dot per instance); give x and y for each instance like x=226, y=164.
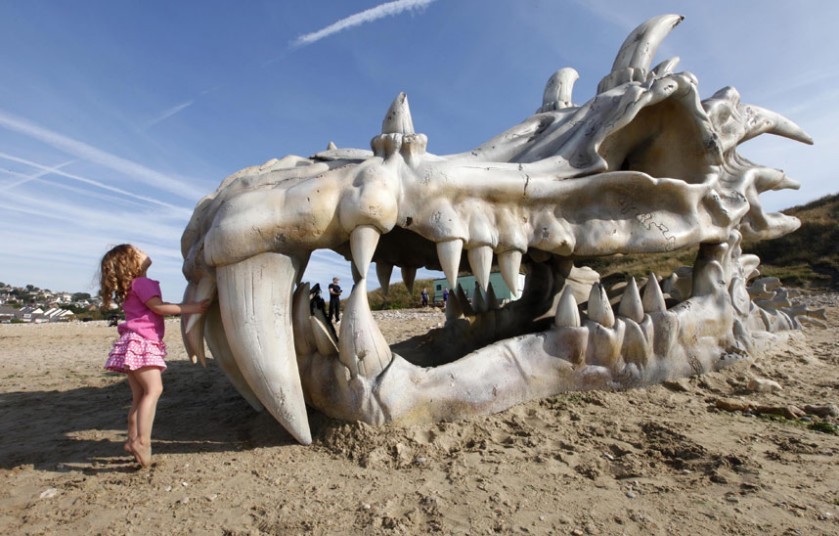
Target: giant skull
x=645, y=166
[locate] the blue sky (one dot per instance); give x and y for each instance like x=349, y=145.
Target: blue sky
x=117, y=116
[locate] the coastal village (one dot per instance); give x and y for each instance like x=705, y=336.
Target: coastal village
x=31, y=304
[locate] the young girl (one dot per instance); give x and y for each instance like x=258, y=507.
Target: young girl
x=140, y=350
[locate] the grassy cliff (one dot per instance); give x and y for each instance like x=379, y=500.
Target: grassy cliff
x=810, y=255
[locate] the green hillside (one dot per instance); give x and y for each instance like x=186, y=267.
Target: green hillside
x=810, y=255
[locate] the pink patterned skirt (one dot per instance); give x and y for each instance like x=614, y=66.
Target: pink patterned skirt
x=132, y=352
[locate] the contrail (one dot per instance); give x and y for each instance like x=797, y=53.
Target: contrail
x=28, y=178
x=56, y=171
x=374, y=13
x=170, y=112
x=173, y=185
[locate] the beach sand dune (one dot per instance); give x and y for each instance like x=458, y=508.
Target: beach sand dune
x=660, y=460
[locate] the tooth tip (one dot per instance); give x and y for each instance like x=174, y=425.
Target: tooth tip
x=363, y=242
x=567, y=313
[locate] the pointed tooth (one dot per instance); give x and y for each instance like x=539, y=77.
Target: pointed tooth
x=362, y=347
x=631, y=305
x=465, y=306
x=653, y=299
x=453, y=310
x=304, y=339
x=510, y=263
x=492, y=299
x=255, y=299
x=599, y=308
x=408, y=275
x=383, y=273
x=205, y=290
x=363, y=242
x=480, y=260
x=323, y=334
x=223, y=355
x=189, y=293
x=635, y=348
x=478, y=301
x=449, y=253
x=398, y=118
x=567, y=312
x=300, y=264
x=356, y=275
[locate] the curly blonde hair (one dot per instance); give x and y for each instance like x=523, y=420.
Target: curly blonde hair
x=118, y=269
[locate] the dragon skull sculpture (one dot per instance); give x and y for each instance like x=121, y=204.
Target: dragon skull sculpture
x=643, y=167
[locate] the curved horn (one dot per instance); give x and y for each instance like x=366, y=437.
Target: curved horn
x=760, y=121
x=558, y=90
x=636, y=54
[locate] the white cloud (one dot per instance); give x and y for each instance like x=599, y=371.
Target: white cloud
x=369, y=15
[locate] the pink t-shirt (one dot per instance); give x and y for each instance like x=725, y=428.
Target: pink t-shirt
x=139, y=318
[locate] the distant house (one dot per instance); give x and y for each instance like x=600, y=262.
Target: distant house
x=30, y=314
x=7, y=314
x=58, y=315
x=468, y=283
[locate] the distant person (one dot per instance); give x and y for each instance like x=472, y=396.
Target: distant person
x=316, y=301
x=424, y=297
x=334, y=300
x=445, y=297
x=139, y=351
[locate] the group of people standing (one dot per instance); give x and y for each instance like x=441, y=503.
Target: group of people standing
x=316, y=301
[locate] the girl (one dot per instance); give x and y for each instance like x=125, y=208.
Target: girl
x=140, y=350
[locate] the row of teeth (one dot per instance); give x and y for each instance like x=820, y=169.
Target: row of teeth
x=363, y=350
x=365, y=238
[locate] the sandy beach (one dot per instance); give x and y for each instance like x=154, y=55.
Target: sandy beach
x=707, y=455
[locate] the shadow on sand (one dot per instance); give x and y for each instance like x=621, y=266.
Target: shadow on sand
x=84, y=428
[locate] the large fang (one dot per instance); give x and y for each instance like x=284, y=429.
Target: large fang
x=304, y=342
x=449, y=253
x=255, y=299
x=408, y=276
x=217, y=341
x=363, y=242
x=383, y=273
x=510, y=263
x=480, y=260
x=363, y=348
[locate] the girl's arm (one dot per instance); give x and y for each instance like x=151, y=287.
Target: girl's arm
x=163, y=308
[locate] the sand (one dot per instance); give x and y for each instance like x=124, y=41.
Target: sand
x=659, y=460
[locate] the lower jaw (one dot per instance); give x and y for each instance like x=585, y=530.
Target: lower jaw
x=487, y=368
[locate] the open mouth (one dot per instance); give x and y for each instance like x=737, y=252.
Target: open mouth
x=643, y=167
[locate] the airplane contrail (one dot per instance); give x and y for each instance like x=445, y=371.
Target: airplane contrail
x=369, y=15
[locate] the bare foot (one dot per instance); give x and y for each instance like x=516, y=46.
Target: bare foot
x=142, y=453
